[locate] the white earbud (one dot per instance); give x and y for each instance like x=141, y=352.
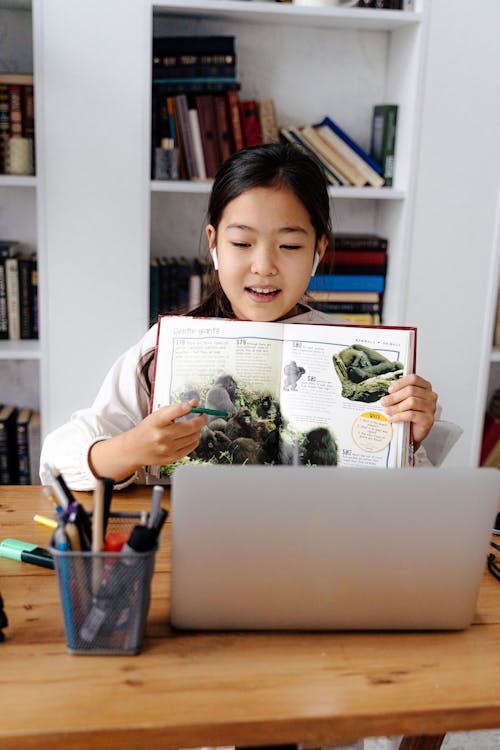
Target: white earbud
x=214, y=259
x=315, y=263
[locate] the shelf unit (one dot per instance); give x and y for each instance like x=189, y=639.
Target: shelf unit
x=19, y=360
x=378, y=56
x=96, y=217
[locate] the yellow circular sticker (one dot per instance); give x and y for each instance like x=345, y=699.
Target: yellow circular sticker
x=372, y=431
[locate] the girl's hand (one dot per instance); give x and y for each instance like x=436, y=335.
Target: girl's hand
x=411, y=399
x=157, y=440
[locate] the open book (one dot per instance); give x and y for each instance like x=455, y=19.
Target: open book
x=288, y=393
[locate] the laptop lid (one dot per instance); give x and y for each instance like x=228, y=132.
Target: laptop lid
x=258, y=547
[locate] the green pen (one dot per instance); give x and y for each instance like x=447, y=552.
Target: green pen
x=14, y=549
x=210, y=412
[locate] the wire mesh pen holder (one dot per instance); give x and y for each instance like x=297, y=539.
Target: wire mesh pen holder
x=105, y=595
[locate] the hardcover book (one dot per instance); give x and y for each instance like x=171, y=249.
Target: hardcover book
x=8, y=448
x=285, y=393
x=383, y=143
x=250, y=122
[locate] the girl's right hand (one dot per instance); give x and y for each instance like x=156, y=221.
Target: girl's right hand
x=156, y=441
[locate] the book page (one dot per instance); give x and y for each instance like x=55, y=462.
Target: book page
x=229, y=366
x=333, y=380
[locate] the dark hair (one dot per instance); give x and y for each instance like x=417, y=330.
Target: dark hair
x=277, y=165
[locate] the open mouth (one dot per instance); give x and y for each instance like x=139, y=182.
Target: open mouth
x=265, y=294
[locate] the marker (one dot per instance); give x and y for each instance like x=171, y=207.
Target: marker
x=210, y=412
x=51, y=523
x=14, y=549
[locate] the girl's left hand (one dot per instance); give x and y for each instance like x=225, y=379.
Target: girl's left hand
x=411, y=399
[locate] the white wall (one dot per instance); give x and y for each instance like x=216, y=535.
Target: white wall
x=453, y=255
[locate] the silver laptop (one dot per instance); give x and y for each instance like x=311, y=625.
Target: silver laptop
x=297, y=548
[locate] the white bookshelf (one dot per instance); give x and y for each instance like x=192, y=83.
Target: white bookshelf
x=95, y=216
x=19, y=360
x=377, y=58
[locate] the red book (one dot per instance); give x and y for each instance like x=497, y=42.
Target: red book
x=15, y=110
x=208, y=132
x=250, y=122
x=233, y=104
x=491, y=435
x=359, y=257
x=223, y=127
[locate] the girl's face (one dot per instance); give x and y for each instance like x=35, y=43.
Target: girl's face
x=265, y=249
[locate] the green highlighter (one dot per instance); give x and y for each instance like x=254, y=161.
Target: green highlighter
x=14, y=549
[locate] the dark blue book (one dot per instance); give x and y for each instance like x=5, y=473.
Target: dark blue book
x=355, y=146
x=347, y=283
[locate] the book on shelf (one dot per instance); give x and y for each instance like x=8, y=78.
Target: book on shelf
x=267, y=119
x=339, y=308
x=349, y=174
x=199, y=156
x=383, y=140
x=208, y=130
x=178, y=57
x=347, y=282
x=17, y=123
x=186, y=137
x=359, y=241
x=169, y=284
x=356, y=318
x=34, y=447
x=233, y=104
x=222, y=127
x=250, y=123
x=8, y=448
x=386, y=4
x=289, y=393
x=292, y=135
x=371, y=176
x=18, y=292
x=354, y=145
x=344, y=296
x=22, y=447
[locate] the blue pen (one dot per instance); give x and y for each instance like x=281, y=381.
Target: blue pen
x=61, y=544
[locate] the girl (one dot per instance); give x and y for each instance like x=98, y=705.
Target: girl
x=269, y=226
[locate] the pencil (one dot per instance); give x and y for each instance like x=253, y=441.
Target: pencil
x=210, y=412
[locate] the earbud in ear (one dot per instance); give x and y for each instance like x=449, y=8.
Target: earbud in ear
x=215, y=259
x=315, y=263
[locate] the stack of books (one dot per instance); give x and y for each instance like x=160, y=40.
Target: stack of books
x=17, y=124
x=19, y=445
x=344, y=161
x=350, y=281
x=198, y=117
x=18, y=292
x=176, y=284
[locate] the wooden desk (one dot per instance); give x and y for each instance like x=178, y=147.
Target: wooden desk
x=190, y=690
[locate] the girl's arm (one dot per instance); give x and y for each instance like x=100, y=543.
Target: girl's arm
x=117, y=422
x=157, y=440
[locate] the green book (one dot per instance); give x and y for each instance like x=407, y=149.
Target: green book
x=383, y=142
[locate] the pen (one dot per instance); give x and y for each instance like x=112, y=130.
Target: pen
x=61, y=489
x=210, y=412
x=14, y=549
x=97, y=535
x=155, y=504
